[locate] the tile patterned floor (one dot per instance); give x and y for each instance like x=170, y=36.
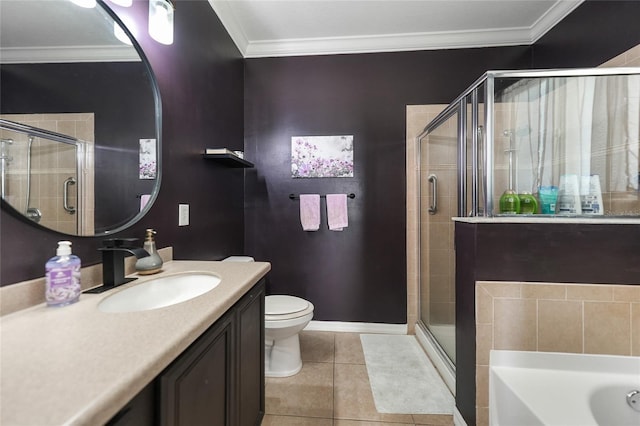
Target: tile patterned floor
x=332, y=389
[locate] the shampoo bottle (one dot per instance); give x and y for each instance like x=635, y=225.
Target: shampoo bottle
x=509, y=202
x=62, y=277
x=528, y=203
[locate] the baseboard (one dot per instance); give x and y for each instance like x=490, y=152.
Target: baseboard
x=356, y=327
x=458, y=420
x=435, y=357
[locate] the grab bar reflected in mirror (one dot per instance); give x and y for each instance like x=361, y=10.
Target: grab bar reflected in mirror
x=65, y=195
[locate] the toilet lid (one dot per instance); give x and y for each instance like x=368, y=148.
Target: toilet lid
x=280, y=305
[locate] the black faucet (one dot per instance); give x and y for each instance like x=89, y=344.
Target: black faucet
x=113, y=253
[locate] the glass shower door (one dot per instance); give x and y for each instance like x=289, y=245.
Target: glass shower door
x=438, y=204
x=41, y=179
x=54, y=165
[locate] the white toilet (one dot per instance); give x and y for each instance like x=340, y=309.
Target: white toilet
x=285, y=317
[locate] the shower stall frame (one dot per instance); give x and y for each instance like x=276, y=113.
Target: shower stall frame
x=488, y=132
x=480, y=134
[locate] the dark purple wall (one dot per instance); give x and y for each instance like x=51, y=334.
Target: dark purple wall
x=593, y=33
x=200, y=78
x=358, y=274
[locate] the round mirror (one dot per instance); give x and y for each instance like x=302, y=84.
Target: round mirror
x=79, y=118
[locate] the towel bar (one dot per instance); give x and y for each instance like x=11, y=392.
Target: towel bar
x=296, y=197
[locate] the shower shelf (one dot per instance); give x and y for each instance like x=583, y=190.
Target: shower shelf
x=228, y=158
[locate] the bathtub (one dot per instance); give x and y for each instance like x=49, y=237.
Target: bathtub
x=545, y=388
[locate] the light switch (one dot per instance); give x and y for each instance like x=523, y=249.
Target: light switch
x=183, y=214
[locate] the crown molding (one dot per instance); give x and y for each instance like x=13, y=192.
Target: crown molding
x=387, y=43
x=68, y=54
x=391, y=43
x=552, y=16
x=231, y=24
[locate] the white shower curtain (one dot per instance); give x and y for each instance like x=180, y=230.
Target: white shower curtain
x=574, y=126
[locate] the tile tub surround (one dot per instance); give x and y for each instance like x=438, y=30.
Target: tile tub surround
x=552, y=317
x=332, y=388
x=132, y=348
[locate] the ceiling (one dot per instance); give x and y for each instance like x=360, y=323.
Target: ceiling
x=263, y=28
x=48, y=30
x=58, y=31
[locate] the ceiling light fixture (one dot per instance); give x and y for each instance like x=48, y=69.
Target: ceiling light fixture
x=161, y=21
x=123, y=3
x=85, y=3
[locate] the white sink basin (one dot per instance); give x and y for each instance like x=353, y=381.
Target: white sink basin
x=159, y=293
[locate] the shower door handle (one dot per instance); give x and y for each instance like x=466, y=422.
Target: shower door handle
x=433, y=208
x=65, y=195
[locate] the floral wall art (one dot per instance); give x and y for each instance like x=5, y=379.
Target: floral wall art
x=321, y=156
x=148, y=159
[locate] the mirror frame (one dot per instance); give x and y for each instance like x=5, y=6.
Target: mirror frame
x=158, y=130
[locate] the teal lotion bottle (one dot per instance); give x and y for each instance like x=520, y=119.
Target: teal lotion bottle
x=62, y=278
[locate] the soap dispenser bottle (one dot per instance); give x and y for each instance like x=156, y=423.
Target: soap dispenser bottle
x=62, y=278
x=153, y=263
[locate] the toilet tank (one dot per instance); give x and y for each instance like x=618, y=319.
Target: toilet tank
x=238, y=259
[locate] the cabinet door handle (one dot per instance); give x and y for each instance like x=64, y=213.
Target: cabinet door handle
x=65, y=195
x=433, y=208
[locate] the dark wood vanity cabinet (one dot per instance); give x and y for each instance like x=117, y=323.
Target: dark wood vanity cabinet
x=198, y=387
x=218, y=380
x=250, y=357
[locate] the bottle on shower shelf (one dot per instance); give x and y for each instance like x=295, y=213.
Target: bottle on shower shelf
x=528, y=203
x=509, y=202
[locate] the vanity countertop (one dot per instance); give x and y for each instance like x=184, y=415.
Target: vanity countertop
x=78, y=365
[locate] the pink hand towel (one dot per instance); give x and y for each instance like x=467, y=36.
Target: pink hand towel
x=337, y=211
x=310, y=212
x=144, y=199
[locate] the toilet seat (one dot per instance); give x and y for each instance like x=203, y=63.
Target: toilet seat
x=281, y=307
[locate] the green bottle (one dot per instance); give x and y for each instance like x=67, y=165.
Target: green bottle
x=528, y=203
x=509, y=202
